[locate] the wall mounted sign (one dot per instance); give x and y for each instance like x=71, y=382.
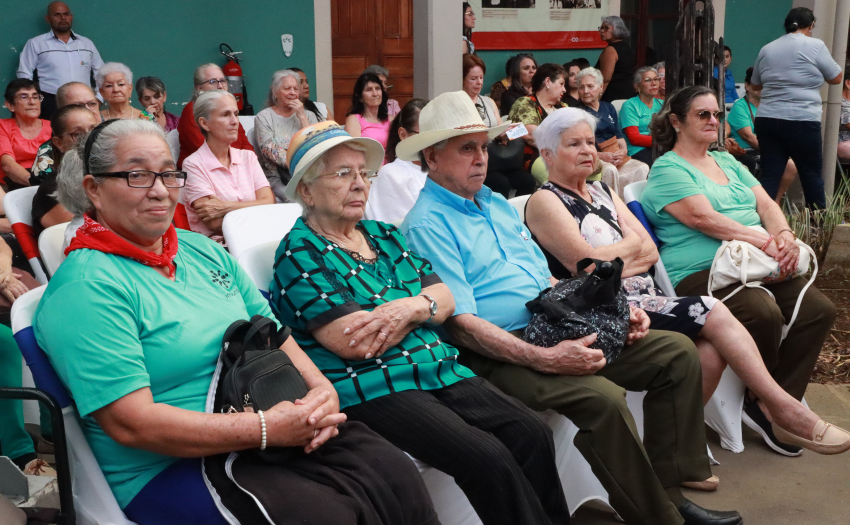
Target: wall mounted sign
x=538, y=24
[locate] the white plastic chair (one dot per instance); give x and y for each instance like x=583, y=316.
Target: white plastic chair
x=724, y=409
x=172, y=138
x=94, y=502
x=618, y=104
x=50, y=247
x=256, y=225
x=519, y=204
x=18, y=205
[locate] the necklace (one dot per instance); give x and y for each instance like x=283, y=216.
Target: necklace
x=338, y=240
x=121, y=115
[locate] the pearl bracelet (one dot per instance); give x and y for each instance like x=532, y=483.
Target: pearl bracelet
x=262, y=429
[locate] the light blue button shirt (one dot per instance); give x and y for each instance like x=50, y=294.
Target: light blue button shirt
x=58, y=63
x=484, y=255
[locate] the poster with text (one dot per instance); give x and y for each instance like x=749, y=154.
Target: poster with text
x=538, y=24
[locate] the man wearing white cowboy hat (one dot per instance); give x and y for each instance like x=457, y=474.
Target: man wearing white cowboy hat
x=477, y=244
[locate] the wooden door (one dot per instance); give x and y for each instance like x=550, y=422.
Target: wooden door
x=366, y=32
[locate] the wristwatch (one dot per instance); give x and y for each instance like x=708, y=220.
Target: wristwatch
x=432, y=307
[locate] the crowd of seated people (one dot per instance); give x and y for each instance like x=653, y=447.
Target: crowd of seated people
x=405, y=284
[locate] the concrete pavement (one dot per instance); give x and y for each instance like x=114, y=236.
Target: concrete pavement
x=769, y=489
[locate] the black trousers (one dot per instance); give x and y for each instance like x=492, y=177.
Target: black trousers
x=645, y=156
x=800, y=140
x=500, y=453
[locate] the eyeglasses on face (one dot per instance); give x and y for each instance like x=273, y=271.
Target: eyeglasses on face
x=350, y=174
x=26, y=97
x=91, y=104
x=147, y=178
x=706, y=115
x=651, y=80
x=75, y=135
x=216, y=82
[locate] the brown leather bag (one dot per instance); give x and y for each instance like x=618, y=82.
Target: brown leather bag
x=611, y=146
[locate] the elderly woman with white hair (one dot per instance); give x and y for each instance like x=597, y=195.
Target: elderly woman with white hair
x=617, y=60
x=284, y=115
x=221, y=178
x=115, y=84
x=618, y=169
x=572, y=219
x=365, y=309
x=133, y=322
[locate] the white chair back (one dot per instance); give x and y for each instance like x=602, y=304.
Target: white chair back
x=18, y=205
x=519, y=203
x=94, y=502
x=257, y=261
x=50, y=247
x=173, y=140
x=618, y=105
x=633, y=191
x=256, y=225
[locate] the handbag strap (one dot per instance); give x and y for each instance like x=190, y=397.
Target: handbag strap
x=603, y=212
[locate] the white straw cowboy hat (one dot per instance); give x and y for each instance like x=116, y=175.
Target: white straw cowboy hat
x=449, y=115
x=310, y=143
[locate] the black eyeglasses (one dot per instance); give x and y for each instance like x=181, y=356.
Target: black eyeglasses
x=215, y=82
x=147, y=178
x=706, y=115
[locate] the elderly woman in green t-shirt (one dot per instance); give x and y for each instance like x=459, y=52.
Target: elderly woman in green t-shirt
x=365, y=308
x=696, y=199
x=133, y=322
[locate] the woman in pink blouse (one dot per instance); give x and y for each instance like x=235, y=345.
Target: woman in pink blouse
x=368, y=116
x=220, y=179
x=21, y=135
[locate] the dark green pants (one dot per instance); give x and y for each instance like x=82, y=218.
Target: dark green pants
x=792, y=361
x=642, y=479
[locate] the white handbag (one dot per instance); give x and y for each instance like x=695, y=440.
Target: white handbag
x=741, y=262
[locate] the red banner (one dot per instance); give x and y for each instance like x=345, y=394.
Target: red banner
x=536, y=40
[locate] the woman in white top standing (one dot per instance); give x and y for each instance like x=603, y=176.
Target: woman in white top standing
x=397, y=186
x=275, y=126
x=790, y=71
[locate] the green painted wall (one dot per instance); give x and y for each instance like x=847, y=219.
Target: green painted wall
x=169, y=38
x=495, y=60
x=750, y=24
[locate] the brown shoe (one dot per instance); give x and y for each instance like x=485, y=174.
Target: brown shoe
x=828, y=438
x=39, y=467
x=708, y=485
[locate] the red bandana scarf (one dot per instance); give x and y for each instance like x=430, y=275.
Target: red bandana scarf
x=93, y=236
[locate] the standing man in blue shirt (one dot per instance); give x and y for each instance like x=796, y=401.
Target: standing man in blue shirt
x=729, y=80
x=58, y=57
x=477, y=244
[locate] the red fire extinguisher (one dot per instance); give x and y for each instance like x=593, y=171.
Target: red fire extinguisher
x=235, y=83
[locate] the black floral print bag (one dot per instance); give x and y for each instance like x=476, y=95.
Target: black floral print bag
x=580, y=306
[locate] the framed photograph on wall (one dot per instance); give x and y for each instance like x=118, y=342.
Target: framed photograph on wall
x=538, y=24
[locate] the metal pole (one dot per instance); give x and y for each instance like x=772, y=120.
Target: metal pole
x=832, y=113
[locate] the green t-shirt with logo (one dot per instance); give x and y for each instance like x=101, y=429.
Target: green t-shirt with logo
x=111, y=326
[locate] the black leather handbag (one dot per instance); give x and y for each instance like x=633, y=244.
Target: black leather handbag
x=505, y=158
x=580, y=306
x=257, y=375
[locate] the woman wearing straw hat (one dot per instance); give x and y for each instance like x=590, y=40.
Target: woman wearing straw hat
x=364, y=307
